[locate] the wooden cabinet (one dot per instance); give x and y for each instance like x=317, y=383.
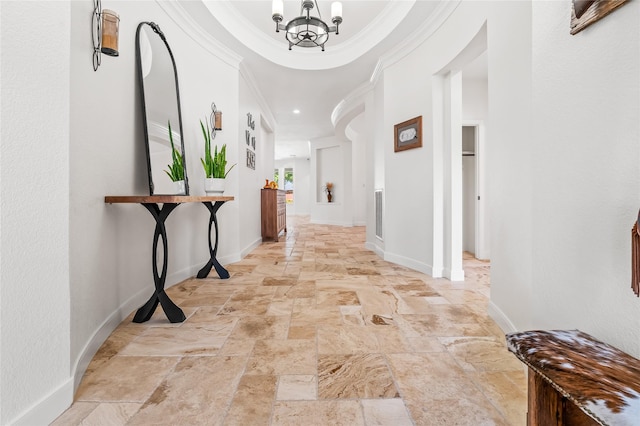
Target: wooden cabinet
x=274, y=213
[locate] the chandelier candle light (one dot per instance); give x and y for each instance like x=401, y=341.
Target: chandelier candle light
x=307, y=30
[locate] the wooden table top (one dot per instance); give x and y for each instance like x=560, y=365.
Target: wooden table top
x=600, y=379
x=160, y=199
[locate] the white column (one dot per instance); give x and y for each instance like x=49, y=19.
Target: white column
x=437, y=263
x=453, y=177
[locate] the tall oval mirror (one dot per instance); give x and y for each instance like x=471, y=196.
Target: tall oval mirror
x=160, y=97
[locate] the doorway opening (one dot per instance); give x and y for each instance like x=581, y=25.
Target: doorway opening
x=288, y=184
x=469, y=189
x=454, y=108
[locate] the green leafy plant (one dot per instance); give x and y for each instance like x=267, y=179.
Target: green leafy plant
x=176, y=170
x=214, y=165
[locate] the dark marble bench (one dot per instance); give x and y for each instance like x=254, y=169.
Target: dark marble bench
x=575, y=379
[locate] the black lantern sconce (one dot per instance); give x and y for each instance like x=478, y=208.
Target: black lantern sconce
x=216, y=120
x=105, y=33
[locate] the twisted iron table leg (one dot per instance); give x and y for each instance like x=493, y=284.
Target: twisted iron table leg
x=213, y=262
x=173, y=312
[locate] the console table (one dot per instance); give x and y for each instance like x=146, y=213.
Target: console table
x=575, y=379
x=160, y=215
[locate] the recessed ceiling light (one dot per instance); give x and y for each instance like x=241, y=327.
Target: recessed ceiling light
x=296, y=111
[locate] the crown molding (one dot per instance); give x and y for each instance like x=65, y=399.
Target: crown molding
x=419, y=36
x=349, y=108
x=354, y=101
x=338, y=55
x=262, y=103
x=350, y=102
x=179, y=15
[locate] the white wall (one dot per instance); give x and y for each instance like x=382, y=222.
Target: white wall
x=562, y=157
x=586, y=128
x=374, y=117
x=34, y=215
x=252, y=180
x=111, y=244
x=331, y=162
x=357, y=133
x=508, y=149
x=474, y=99
x=414, y=179
x=72, y=266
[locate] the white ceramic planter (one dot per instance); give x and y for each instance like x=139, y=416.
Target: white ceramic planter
x=179, y=187
x=214, y=186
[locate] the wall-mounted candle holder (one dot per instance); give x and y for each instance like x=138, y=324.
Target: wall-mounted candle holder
x=216, y=120
x=105, y=33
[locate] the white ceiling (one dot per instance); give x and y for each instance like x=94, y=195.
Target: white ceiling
x=310, y=80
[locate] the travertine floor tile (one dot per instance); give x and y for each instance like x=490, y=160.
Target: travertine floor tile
x=481, y=354
x=316, y=413
x=283, y=357
x=179, y=341
x=354, y=376
x=76, y=414
x=442, y=391
x=298, y=387
x=386, y=412
x=505, y=395
x=125, y=379
x=252, y=402
x=112, y=413
x=313, y=330
x=261, y=327
x=346, y=339
x=196, y=392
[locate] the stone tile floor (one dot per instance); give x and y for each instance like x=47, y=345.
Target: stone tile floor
x=312, y=330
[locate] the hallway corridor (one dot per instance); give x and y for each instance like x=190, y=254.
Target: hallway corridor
x=313, y=330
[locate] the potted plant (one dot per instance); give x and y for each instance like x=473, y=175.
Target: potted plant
x=176, y=170
x=214, y=165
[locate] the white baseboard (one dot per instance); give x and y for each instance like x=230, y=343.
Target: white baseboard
x=374, y=248
x=500, y=318
x=104, y=331
x=330, y=222
x=248, y=249
x=454, y=275
x=46, y=410
x=409, y=263
x=437, y=272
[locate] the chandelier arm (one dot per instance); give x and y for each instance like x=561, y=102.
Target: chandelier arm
x=319, y=14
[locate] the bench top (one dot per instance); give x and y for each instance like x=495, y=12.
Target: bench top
x=601, y=380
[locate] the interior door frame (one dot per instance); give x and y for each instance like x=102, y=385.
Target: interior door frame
x=481, y=251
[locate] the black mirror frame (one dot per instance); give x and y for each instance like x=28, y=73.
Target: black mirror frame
x=156, y=29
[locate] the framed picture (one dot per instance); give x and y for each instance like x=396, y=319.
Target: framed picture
x=586, y=12
x=408, y=134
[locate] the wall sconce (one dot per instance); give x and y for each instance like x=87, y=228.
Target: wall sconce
x=216, y=120
x=105, y=33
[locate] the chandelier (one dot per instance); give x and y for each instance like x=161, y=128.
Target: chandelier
x=307, y=30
